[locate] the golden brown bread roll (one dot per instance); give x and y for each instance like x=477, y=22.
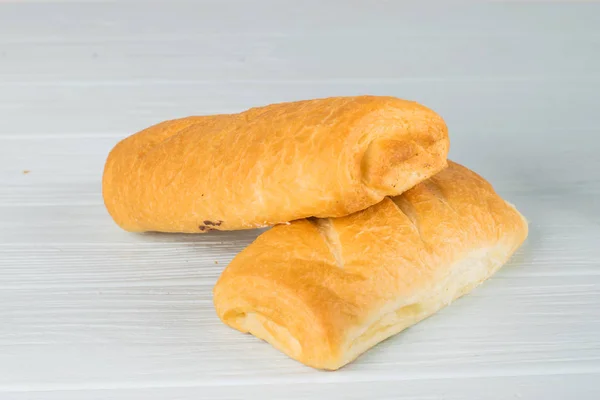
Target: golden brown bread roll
x=268, y=165
x=323, y=291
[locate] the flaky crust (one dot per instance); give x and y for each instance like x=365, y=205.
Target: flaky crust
x=268, y=165
x=325, y=290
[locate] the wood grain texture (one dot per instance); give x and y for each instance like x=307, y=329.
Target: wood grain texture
x=90, y=312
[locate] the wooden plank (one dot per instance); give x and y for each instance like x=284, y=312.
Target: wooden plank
x=89, y=311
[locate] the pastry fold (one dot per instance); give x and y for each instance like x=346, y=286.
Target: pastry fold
x=268, y=165
x=324, y=290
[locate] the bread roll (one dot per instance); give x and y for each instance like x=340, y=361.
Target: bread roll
x=268, y=165
x=323, y=291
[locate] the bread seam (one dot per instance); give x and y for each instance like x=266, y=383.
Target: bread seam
x=331, y=238
x=439, y=194
x=404, y=207
x=381, y=193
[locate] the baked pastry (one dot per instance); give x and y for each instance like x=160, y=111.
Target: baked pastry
x=268, y=165
x=323, y=291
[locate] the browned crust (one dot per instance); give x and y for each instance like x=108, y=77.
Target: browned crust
x=324, y=291
x=268, y=165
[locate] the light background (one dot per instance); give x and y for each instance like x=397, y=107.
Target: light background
x=90, y=312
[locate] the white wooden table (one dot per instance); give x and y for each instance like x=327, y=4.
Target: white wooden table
x=90, y=312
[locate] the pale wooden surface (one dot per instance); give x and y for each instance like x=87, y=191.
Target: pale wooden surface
x=90, y=312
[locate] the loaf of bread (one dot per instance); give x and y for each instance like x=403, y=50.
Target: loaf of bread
x=269, y=165
x=323, y=291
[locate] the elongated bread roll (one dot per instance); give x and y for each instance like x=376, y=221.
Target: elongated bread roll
x=268, y=165
x=323, y=291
